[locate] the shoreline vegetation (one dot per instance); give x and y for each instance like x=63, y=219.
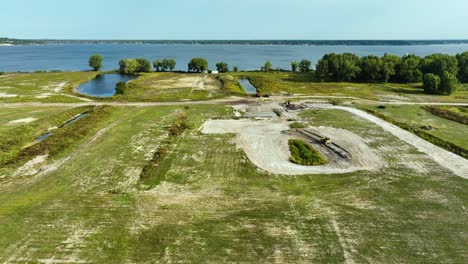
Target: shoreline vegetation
x=14, y=41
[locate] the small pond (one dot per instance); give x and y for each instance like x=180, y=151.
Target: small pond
x=104, y=85
x=248, y=87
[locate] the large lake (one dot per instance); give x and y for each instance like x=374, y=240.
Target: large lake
x=74, y=57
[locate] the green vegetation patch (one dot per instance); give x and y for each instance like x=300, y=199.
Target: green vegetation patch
x=14, y=139
x=304, y=154
x=61, y=139
x=297, y=125
x=231, y=84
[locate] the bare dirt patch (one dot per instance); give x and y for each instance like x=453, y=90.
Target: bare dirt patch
x=22, y=121
x=31, y=167
x=6, y=95
x=204, y=82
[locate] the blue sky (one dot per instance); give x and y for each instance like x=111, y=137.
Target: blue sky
x=235, y=19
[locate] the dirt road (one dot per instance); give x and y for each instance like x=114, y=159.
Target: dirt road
x=228, y=100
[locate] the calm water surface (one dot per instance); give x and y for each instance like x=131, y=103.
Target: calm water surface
x=248, y=87
x=74, y=57
x=104, y=85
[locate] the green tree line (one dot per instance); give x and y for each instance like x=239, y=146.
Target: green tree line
x=439, y=73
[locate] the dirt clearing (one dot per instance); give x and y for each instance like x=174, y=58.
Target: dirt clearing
x=204, y=82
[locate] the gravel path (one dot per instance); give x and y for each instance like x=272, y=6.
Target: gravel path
x=447, y=159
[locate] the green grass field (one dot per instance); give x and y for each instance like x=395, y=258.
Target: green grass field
x=209, y=204
x=157, y=87
x=417, y=117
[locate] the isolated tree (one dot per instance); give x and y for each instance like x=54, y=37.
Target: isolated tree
x=95, y=62
x=410, y=69
x=294, y=66
x=431, y=83
x=463, y=67
x=128, y=66
x=304, y=65
x=267, y=67
x=439, y=63
x=157, y=65
x=448, y=83
x=235, y=69
x=198, y=65
x=144, y=65
x=171, y=64
x=222, y=67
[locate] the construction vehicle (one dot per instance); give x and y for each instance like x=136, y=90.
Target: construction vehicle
x=325, y=140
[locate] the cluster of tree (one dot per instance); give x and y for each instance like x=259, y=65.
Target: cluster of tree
x=130, y=66
x=438, y=72
x=164, y=65
x=198, y=65
x=302, y=66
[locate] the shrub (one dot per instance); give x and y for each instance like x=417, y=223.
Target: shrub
x=180, y=125
x=447, y=114
x=448, y=83
x=431, y=83
x=120, y=87
x=304, y=154
x=297, y=125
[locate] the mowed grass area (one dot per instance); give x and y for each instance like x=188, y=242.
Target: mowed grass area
x=307, y=84
x=42, y=87
x=11, y=117
x=211, y=205
x=417, y=117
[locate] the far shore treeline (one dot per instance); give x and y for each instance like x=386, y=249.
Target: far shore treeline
x=439, y=73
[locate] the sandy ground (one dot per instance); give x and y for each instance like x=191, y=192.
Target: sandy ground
x=449, y=160
x=204, y=82
x=5, y=95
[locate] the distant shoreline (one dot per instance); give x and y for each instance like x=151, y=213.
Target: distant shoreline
x=9, y=42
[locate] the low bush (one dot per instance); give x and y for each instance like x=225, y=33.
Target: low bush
x=446, y=113
x=297, y=125
x=180, y=125
x=120, y=88
x=304, y=154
